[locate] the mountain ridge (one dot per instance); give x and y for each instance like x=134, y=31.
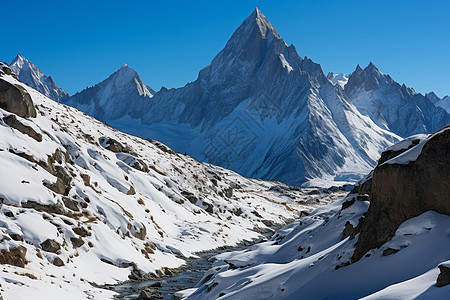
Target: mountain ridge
x=30, y=74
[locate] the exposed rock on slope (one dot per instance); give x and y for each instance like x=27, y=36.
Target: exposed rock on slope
x=14, y=98
x=405, y=186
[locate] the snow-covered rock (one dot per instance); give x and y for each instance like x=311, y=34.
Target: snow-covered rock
x=81, y=203
x=340, y=79
x=392, y=106
x=30, y=74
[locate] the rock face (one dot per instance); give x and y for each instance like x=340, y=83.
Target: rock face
x=403, y=191
x=16, y=99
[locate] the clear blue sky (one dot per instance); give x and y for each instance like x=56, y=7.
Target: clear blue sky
x=82, y=42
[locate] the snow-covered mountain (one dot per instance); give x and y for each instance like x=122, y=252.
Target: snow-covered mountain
x=340, y=79
x=83, y=204
x=30, y=74
x=392, y=106
x=443, y=103
x=121, y=94
x=258, y=109
x=388, y=239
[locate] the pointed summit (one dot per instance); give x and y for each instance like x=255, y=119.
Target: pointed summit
x=30, y=74
x=371, y=66
x=258, y=21
x=122, y=93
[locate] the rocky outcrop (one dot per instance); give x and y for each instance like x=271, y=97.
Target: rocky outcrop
x=443, y=277
x=403, y=191
x=50, y=246
x=12, y=121
x=14, y=256
x=16, y=99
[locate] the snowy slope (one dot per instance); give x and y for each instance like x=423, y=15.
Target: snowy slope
x=114, y=204
x=30, y=74
x=392, y=106
x=340, y=79
x=313, y=258
x=121, y=94
x=258, y=109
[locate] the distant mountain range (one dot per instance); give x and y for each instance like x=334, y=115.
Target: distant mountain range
x=262, y=110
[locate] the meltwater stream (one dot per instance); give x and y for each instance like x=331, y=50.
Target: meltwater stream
x=192, y=272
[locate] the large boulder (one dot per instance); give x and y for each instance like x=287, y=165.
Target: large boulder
x=16, y=99
x=403, y=191
x=50, y=246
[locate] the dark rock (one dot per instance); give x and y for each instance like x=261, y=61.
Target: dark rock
x=58, y=262
x=209, y=207
x=237, y=211
x=51, y=209
x=141, y=233
x=131, y=191
x=190, y=197
x=348, y=203
x=401, y=192
x=50, y=245
x=16, y=99
x=140, y=166
x=149, y=293
x=443, y=277
x=12, y=121
x=6, y=69
x=390, y=251
x=113, y=145
x=229, y=192
x=71, y=204
x=156, y=284
x=15, y=256
x=9, y=214
x=77, y=242
x=81, y=231
x=256, y=214
x=363, y=197
x=16, y=237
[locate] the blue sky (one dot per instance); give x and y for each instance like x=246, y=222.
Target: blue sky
x=80, y=43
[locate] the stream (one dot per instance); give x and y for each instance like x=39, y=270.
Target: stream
x=192, y=272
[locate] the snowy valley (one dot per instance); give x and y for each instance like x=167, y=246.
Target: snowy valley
x=331, y=187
